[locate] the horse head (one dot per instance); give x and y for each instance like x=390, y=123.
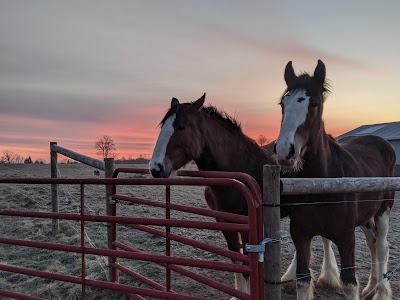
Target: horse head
x=302, y=105
x=179, y=140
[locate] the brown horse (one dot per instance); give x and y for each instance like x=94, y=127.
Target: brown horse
x=215, y=141
x=303, y=147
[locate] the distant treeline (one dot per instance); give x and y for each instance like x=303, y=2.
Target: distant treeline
x=136, y=161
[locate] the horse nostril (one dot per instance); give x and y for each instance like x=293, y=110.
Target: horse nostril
x=275, y=148
x=155, y=173
x=291, y=152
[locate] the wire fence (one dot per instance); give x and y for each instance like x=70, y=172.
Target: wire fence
x=294, y=189
x=72, y=204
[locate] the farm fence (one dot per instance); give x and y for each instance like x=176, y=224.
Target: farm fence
x=251, y=224
x=275, y=186
x=258, y=247
x=107, y=166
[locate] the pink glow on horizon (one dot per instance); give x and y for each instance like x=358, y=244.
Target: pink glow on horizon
x=136, y=143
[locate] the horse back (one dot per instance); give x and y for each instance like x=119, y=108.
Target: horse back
x=367, y=156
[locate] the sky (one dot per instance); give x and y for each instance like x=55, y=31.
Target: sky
x=73, y=71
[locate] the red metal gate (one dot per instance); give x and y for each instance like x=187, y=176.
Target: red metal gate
x=251, y=223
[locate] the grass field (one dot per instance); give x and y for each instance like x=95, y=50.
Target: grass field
x=37, y=197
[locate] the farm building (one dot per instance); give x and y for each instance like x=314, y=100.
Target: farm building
x=388, y=131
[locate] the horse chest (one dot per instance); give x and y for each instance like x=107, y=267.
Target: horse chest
x=322, y=219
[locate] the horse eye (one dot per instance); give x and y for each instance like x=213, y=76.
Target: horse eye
x=280, y=104
x=313, y=104
x=301, y=99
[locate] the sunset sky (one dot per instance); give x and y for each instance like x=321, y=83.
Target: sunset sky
x=73, y=71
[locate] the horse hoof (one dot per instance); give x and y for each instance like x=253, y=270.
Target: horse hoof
x=368, y=292
x=290, y=287
x=383, y=292
x=329, y=281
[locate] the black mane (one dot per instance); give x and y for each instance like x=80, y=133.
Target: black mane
x=222, y=117
x=208, y=111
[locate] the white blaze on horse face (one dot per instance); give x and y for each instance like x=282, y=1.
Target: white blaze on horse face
x=167, y=130
x=295, y=108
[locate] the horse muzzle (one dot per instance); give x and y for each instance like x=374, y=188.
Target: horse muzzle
x=159, y=170
x=285, y=154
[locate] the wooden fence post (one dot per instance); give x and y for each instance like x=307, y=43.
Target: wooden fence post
x=54, y=189
x=272, y=264
x=110, y=209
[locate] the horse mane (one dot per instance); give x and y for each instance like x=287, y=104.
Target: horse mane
x=222, y=117
x=305, y=80
x=210, y=111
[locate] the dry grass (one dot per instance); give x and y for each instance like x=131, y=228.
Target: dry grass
x=37, y=197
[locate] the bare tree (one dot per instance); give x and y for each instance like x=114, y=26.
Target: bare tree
x=105, y=147
x=8, y=156
x=18, y=159
x=262, y=140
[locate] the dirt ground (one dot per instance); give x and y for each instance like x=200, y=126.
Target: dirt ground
x=38, y=198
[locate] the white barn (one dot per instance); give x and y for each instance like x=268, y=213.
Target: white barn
x=388, y=131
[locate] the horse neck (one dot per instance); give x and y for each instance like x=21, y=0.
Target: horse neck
x=318, y=155
x=230, y=150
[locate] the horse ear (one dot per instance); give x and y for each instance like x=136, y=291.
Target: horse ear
x=174, y=102
x=290, y=76
x=199, y=102
x=320, y=72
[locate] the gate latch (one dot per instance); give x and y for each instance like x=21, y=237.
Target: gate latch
x=260, y=248
x=111, y=200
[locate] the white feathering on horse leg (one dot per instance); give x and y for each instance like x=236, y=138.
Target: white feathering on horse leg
x=330, y=276
x=373, y=277
x=351, y=291
x=289, y=275
x=305, y=290
x=383, y=291
x=241, y=283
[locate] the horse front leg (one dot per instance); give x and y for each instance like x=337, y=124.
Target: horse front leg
x=346, y=245
x=329, y=276
x=383, y=290
x=305, y=286
x=290, y=275
x=369, y=291
x=235, y=243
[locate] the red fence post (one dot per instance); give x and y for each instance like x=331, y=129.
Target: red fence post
x=167, y=232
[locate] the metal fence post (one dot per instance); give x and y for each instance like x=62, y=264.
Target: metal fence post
x=111, y=210
x=54, y=189
x=272, y=264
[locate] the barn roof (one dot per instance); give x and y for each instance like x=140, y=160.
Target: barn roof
x=388, y=131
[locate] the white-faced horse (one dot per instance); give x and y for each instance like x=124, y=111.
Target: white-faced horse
x=304, y=148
